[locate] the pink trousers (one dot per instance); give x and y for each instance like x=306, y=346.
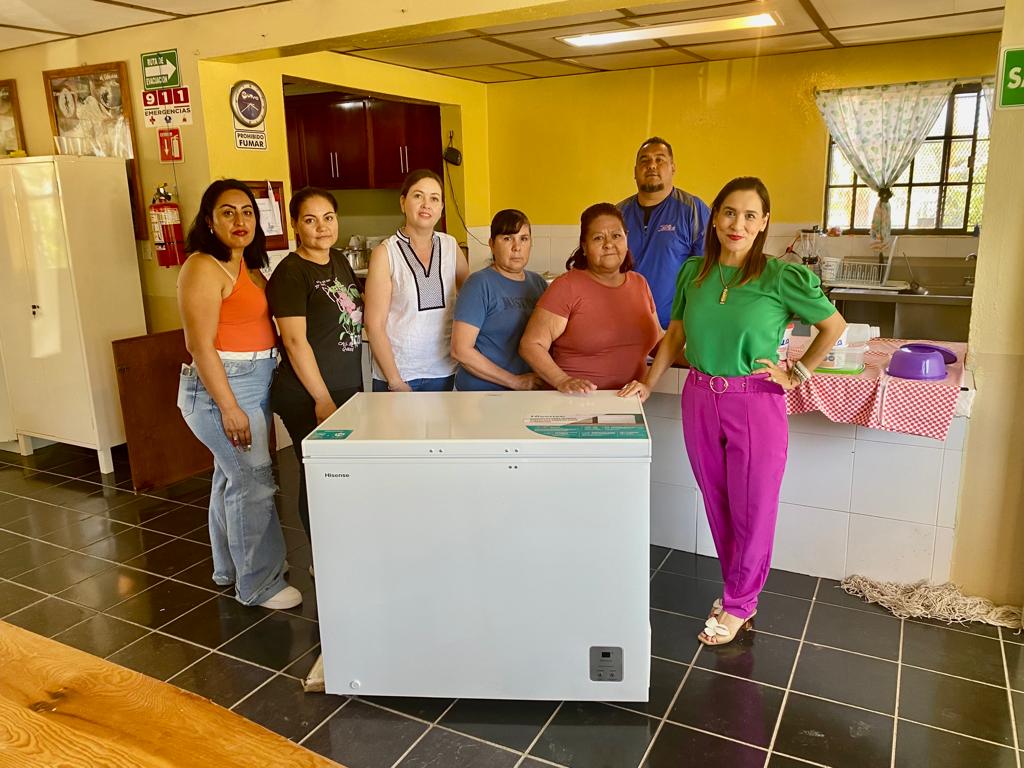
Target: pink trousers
x=736, y=436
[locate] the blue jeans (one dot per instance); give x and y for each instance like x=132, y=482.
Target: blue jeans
x=443, y=384
x=248, y=546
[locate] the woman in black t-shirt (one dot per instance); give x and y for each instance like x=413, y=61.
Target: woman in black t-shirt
x=318, y=307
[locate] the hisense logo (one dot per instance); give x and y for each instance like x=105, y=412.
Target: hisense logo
x=334, y=474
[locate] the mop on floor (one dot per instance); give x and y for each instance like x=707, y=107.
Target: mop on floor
x=921, y=600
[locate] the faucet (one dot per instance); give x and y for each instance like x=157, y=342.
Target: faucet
x=971, y=257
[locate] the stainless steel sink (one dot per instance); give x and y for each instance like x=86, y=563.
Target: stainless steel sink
x=944, y=314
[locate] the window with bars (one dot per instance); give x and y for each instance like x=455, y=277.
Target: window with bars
x=942, y=189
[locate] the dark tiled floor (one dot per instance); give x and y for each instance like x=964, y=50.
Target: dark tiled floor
x=823, y=680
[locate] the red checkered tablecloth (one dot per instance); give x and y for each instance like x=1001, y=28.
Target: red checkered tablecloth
x=879, y=401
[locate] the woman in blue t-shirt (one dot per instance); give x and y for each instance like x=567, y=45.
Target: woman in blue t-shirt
x=492, y=309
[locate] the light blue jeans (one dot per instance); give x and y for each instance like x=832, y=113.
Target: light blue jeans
x=248, y=546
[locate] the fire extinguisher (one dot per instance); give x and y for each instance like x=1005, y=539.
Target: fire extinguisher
x=168, y=236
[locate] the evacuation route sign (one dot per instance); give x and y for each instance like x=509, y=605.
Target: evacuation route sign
x=160, y=69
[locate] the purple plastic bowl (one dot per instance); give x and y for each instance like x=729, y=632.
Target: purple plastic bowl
x=924, y=364
x=948, y=355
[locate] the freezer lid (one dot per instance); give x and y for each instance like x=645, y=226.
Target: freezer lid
x=483, y=425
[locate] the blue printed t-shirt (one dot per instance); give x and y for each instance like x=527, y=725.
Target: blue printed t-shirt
x=500, y=308
x=727, y=339
x=673, y=233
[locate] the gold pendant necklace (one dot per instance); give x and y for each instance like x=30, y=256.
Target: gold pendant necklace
x=725, y=288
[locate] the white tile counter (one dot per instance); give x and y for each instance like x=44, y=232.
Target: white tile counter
x=853, y=500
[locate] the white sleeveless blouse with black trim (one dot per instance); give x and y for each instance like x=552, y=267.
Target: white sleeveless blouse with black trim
x=419, y=325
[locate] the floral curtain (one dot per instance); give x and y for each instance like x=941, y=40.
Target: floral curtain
x=879, y=129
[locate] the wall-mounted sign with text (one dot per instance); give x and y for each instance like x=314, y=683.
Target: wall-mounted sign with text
x=249, y=111
x=166, y=107
x=160, y=70
x=1011, y=78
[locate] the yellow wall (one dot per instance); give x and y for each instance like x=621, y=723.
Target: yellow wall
x=464, y=111
x=988, y=558
x=724, y=119
x=267, y=30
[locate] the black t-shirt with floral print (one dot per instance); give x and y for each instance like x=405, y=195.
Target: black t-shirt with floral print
x=328, y=297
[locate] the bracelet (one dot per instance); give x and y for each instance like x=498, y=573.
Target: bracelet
x=801, y=372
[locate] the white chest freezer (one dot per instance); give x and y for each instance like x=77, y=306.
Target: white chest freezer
x=483, y=545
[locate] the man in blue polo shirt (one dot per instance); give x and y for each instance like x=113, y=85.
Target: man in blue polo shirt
x=665, y=225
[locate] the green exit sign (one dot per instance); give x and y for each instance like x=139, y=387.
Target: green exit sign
x=160, y=70
x=1011, y=78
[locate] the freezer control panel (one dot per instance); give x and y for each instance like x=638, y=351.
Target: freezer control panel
x=606, y=663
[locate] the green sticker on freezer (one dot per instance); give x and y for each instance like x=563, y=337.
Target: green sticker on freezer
x=594, y=432
x=604, y=426
x=330, y=434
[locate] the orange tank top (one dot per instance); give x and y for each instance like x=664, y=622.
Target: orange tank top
x=244, y=324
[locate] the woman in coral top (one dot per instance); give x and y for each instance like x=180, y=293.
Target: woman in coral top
x=224, y=394
x=593, y=327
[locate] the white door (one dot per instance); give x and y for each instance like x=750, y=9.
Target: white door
x=42, y=346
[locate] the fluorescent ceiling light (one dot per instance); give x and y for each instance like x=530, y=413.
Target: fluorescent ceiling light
x=672, y=30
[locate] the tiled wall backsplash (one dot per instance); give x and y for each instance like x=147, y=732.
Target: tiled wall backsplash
x=552, y=245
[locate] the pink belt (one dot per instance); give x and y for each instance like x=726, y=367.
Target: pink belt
x=722, y=385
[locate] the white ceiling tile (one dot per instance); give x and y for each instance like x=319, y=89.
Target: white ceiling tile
x=989, y=21
x=454, y=53
x=844, y=13
x=678, y=5
x=790, y=15
x=15, y=38
x=659, y=57
x=546, y=68
x=190, y=7
x=78, y=18
x=483, y=74
x=560, y=21
x=740, y=49
x=544, y=42
x=447, y=36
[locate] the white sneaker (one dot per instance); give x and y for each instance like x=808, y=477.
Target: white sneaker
x=289, y=597
x=311, y=571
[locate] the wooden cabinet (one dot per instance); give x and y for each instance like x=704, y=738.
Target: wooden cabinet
x=327, y=142
x=336, y=141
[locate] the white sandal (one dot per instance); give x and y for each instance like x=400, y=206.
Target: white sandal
x=716, y=633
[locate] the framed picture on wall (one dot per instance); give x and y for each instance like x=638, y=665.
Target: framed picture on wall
x=12, y=135
x=91, y=114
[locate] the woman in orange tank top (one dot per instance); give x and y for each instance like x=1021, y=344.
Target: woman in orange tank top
x=224, y=395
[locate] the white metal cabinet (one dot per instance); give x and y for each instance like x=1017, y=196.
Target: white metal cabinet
x=69, y=286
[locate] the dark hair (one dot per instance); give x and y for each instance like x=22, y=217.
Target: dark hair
x=756, y=260
x=418, y=175
x=308, y=193
x=654, y=140
x=508, y=222
x=300, y=197
x=201, y=239
x=578, y=259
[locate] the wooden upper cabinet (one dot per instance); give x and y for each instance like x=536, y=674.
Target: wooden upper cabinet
x=327, y=141
x=387, y=134
x=423, y=137
x=337, y=142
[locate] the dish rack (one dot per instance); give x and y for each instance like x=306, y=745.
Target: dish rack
x=854, y=273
